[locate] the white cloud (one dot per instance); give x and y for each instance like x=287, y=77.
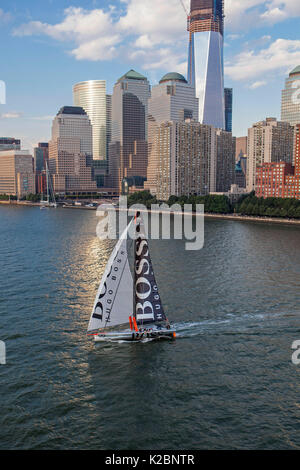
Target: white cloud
x=245, y=14
x=78, y=24
x=11, y=115
x=153, y=26
x=236, y=12
x=93, y=31
x=41, y=118
x=274, y=15
x=281, y=56
x=160, y=59
x=279, y=10
x=103, y=48
x=257, y=84
x=160, y=21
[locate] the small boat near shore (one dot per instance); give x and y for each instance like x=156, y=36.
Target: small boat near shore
x=128, y=307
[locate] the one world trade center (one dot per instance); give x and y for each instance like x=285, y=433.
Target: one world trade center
x=206, y=64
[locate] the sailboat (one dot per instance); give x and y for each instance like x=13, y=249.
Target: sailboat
x=45, y=204
x=129, y=308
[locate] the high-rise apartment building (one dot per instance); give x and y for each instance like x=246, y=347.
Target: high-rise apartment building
x=225, y=169
x=268, y=141
x=10, y=143
x=228, y=101
x=70, y=151
x=184, y=156
x=205, y=63
x=280, y=179
x=16, y=173
x=173, y=99
x=290, y=102
x=91, y=96
x=128, y=148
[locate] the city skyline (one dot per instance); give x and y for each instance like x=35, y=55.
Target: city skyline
x=56, y=54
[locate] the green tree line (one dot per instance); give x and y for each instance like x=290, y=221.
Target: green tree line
x=248, y=205
x=213, y=204
x=269, y=207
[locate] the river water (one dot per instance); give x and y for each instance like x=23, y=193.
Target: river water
x=227, y=382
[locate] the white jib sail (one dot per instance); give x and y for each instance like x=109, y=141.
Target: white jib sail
x=114, y=299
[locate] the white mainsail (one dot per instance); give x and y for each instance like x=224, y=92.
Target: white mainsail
x=114, y=299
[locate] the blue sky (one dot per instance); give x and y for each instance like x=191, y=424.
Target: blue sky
x=48, y=46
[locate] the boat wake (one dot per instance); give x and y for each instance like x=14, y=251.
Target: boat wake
x=232, y=323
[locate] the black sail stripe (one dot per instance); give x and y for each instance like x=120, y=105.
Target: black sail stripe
x=148, y=305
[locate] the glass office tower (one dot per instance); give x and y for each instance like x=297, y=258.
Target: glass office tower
x=91, y=96
x=205, y=64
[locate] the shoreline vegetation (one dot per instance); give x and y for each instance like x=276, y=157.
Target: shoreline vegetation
x=247, y=208
x=248, y=205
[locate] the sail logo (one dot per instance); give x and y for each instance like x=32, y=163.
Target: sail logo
x=106, y=295
x=2, y=353
x=108, y=310
x=148, y=306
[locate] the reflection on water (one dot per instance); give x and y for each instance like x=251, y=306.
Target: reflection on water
x=228, y=380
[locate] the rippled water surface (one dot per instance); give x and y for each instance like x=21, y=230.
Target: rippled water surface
x=227, y=382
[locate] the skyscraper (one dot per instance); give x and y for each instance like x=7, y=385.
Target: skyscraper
x=173, y=99
x=16, y=173
x=205, y=64
x=70, y=151
x=225, y=175
x=128, y=149
x=280, y=179
x=41, y=156
x=185, y=160
x=228, y=95
x=268, y=141
x=91, y=96
x=290, y=103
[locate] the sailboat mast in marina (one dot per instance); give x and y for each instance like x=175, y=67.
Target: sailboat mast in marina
x=50, y=192
x=129, y=307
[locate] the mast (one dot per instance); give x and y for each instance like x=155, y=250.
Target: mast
x=147, y=302
x=42, y=188
x=52, y=194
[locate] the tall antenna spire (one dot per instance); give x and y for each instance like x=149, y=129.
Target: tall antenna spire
x=187, y=14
